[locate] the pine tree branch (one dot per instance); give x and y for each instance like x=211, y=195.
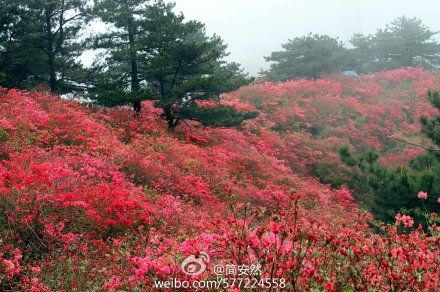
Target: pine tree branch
x=413, y=144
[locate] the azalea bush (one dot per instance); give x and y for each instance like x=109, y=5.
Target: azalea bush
x=97, y=199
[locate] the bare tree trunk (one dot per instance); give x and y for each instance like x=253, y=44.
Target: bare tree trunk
x=134, y=74
x=137, y=106
x=50, y=53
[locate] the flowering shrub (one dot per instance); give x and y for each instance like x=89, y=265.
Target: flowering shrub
x=96, y=199
x=364, y=112
x=10, y=261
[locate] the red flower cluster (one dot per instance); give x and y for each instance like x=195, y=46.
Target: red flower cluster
x=362, y=112
x=98, y=198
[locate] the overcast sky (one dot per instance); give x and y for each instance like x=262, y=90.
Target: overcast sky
x=254, y=28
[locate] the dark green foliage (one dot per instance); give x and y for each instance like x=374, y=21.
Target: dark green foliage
x=157, y=55
x=364, y=53
x=337, y=175
x=3, y=138
x=395, y=190
x=39, y=43
x=184, y=65
x=432, y=127
x=3, y=135
x=114, y=79
x=308, y=56
x=346, y=156
x=405, y=42
x=219, y=116
x=20, y=62
x=57, y=25
x=363, y=161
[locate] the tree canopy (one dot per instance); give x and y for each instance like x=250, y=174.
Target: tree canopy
x=406, y=42
x=40, y=42
x=115, y=75
x=159, y=56
x=308, y=56
x=148, y=52
x=21, y=65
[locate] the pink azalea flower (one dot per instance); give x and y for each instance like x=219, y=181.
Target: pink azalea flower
x=423, y=195
x=406, y=220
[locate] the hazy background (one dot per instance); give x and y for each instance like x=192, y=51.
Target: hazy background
x=254, y=28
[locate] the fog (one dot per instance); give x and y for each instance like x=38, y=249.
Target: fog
x=254, y=28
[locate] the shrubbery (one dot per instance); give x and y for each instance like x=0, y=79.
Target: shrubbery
x=93, y=199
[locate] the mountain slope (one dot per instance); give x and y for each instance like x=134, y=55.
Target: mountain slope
x=93, y=198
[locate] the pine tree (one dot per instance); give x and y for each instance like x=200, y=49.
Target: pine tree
x=183, y=65
x=364, y=53
x=154, y=54
x=308, y=56
x=117, y=79
x=56, y=25
x=20, y=64
x=432, y=127
x=407, y=42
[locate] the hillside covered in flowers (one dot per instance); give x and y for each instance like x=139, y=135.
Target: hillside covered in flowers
x=98, y=198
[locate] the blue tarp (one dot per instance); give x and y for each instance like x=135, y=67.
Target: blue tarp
x=351, y=74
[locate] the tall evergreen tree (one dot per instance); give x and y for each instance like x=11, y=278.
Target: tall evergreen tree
x=170, y=60
x=20, y=64
x=183, y=65
x=117, y=78
x=364, y=53
x=308, y=56
x=407, y=42
x=56, y=25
